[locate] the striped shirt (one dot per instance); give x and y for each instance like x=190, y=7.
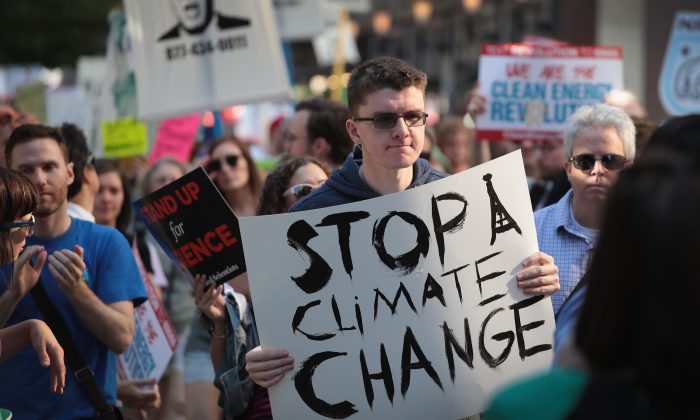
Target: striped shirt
x=259, y=408
x=570, y=244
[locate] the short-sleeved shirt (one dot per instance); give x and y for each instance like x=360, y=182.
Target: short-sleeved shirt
x=570, y=244
x=113, y=276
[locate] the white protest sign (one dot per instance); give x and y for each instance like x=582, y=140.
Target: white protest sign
x=207, y=54
x=679, y=84
x=531, y=90
x=404, y=306
x=326, y=44
x=299, y=19
x=358, y=6
x=154, y=340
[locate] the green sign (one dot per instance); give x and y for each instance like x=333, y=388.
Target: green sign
x=124, y=137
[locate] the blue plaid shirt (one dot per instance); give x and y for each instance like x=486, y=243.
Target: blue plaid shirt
x=560, y=236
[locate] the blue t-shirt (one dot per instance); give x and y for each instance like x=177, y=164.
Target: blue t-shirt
x=113, y=276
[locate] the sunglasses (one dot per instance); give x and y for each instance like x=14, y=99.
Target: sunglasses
x=388, y=120
x=29, y=224
x=215, y=165
x=586, y=162
x=301, y=190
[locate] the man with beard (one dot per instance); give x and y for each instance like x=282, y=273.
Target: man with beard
x=599, y=141
x=91, y=278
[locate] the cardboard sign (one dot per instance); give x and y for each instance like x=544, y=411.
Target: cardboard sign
x=201, y=55
x=404, y=306
x=175, y=138
x=124, y=137
x=679, y=84
x=194, y=225
x=531, y=90
x=154, y=340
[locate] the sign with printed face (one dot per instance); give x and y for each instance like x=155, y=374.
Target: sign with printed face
x=404, y=306
x=531, y=90
x=679, y=85
x=195, y=55
x=194, y=225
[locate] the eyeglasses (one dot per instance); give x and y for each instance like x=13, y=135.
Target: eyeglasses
x=29, y=224
x=586, y=162
x=215, y=165
x=388, y=120
x=301, y=190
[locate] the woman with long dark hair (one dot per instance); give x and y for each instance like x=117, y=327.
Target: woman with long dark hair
x=18, y=199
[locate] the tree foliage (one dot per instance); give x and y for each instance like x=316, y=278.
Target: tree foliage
x=52, y=32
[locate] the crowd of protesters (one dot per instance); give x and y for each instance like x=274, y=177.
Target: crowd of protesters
x=613, y=204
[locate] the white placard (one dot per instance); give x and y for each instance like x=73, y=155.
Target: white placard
x=531, y=90
x=454, y=245
x=196, y=56
x=299, y=19
x=326, y=43
x=679, y=84
x=358, y=6
x=154, y=340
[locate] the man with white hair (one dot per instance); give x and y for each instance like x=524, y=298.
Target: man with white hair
x=598, y=143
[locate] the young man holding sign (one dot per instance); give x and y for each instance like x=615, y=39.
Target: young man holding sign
x=386, y=99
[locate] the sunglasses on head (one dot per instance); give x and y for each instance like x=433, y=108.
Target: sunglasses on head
x=301, y=190
x=29, y=224
x=388, y=120
x=586, y=162
x=215, y=165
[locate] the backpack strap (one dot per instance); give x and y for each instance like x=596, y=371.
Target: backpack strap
x=82, y=373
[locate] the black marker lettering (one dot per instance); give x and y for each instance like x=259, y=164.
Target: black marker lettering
x=410, y=346
x=343, y=221
x=299, y=317
x=431, y=290
x=459, y=287
x=303, y=382
x=490, y=276
x=319, y=272
x=501, y=220
x=506, y=335
x=452, y=226
x=384, y=375
x=519, y=328
x=338, y=319
x=407, y=262
x=451, y=344
x=401, y=291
